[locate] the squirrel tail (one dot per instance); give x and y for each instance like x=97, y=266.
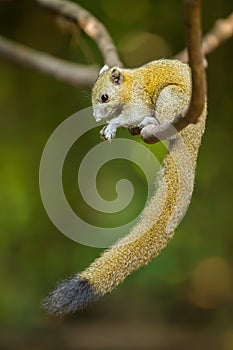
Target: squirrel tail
x=146, y=240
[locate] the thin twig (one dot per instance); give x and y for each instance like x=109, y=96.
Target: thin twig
x=89, y=24
x=221, y=31
x=72, y=73
x=193, y=38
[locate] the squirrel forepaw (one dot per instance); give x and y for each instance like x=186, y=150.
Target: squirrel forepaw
x=108, y=132
x=148, y=121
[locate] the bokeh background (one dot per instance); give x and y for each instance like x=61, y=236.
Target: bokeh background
x=183, y=299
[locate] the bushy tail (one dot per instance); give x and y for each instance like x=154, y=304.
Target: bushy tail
x=146, y=240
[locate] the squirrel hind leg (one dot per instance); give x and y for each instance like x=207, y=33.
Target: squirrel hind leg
x=70, y=296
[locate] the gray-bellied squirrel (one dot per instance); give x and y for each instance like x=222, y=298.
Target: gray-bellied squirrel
x=141, y=97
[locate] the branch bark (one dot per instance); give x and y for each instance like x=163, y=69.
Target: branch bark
x=75, y=74
x=221, y=31
x=193, y=38
x=72, y=73
x=89, y=24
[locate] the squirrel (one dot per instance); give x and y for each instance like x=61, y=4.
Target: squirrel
x=150, y=95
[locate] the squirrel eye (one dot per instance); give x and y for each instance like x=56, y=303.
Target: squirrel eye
x=104, y=98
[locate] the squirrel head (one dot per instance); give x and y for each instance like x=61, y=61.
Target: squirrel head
x=107, y=93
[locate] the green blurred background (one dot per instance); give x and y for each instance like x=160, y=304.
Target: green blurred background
x=182, y=300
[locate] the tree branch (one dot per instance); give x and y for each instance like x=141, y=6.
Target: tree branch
x=72, y=73
x=89, y=24
x=221, y=31
x=75, y=74
x=193, y=38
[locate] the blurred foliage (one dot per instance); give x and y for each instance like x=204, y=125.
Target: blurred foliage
x=192, y=281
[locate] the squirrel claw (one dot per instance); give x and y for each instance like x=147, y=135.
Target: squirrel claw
x=148, y=121
x=107, y=133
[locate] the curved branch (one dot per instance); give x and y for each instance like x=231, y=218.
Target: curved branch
x=72, y=73
x=193, y=38
x=89, y=24
x=221, y=31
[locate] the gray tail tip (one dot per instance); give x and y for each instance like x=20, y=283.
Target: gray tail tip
x=70, y=296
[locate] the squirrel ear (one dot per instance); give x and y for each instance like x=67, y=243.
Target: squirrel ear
x=103, y=69
x=116, y=76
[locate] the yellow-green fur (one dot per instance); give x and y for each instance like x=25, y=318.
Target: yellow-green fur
x=148, y=237
x=146, y=82
x=145, y=243
x=165, y=86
